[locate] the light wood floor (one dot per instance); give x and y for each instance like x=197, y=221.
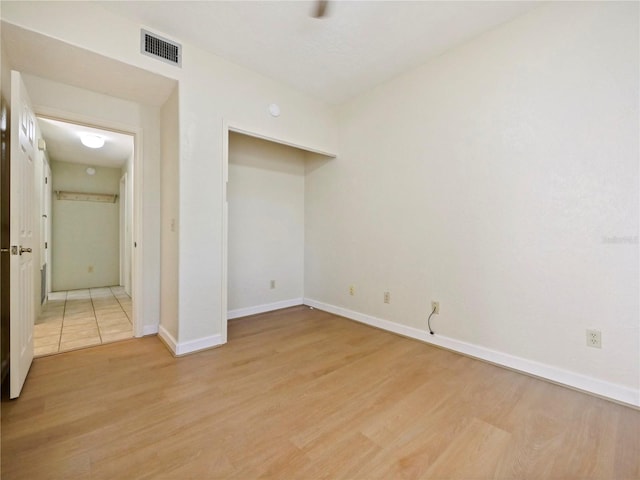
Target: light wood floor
x=302, y=394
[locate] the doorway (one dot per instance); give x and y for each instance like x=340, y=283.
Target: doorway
x=88, y=297
x=129, y=101
x=263, y=222
x=266, y=225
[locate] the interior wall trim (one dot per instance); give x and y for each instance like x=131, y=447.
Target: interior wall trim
x=150, y=330
x=601, y=388
x=267, y=307
x=167, y=339
x=192, y=346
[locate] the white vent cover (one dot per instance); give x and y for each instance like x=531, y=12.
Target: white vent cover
x=157, y=47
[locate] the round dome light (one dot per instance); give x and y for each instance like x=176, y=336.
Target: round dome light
x=91, y=141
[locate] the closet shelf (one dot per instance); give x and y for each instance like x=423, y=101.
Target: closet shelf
x=86, y=197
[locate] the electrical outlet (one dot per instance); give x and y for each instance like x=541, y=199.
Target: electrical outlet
x=352, y=290
x=387, y=297
x=594, y=338
x=273, y=284
x=435, y=307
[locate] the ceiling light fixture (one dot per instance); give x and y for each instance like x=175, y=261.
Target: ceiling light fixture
x=90, y=171
x=91, y=141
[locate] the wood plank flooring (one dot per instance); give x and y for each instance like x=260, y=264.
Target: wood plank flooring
x=303, y=394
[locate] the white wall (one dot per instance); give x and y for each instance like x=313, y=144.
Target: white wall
x=493, y=179
x=266, y=224
x=85, y=234
x=170, y=199
x=211, y=92
x=83, y=106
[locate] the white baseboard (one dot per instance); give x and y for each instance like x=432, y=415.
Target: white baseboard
x=150, y=330
x=183, y=348
x=601, y=388
x=267, y=307
x=167, y=338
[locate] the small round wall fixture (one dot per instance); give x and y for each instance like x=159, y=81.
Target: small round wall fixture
x=90, y=171
x=92, y=141
x=274, y=110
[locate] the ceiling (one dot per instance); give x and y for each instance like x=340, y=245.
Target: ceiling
x=63, y=144
x=358, y=45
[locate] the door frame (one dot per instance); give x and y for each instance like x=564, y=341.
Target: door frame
x=121, y=222
x=47, y=191
x=125, y=247
x=137, y=253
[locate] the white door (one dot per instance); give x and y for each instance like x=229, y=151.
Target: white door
x=23, y=139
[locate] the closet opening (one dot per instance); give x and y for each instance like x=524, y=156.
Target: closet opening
x=264, y=220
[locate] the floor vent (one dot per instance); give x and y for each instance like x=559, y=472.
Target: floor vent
x=157, y=47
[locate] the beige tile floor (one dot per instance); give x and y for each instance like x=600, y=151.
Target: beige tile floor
x=82, y=318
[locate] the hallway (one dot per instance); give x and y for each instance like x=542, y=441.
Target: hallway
x=82, y=318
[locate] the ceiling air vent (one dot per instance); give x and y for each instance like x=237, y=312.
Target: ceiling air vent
x=155, y=46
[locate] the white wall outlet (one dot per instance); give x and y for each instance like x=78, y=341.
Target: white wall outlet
x=352, y=290
x=435, y=307
x=272, y=284
x=594, y=338
x=387, y=297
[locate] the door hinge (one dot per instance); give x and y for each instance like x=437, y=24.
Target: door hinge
x=46, y=245
x=46, y=180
